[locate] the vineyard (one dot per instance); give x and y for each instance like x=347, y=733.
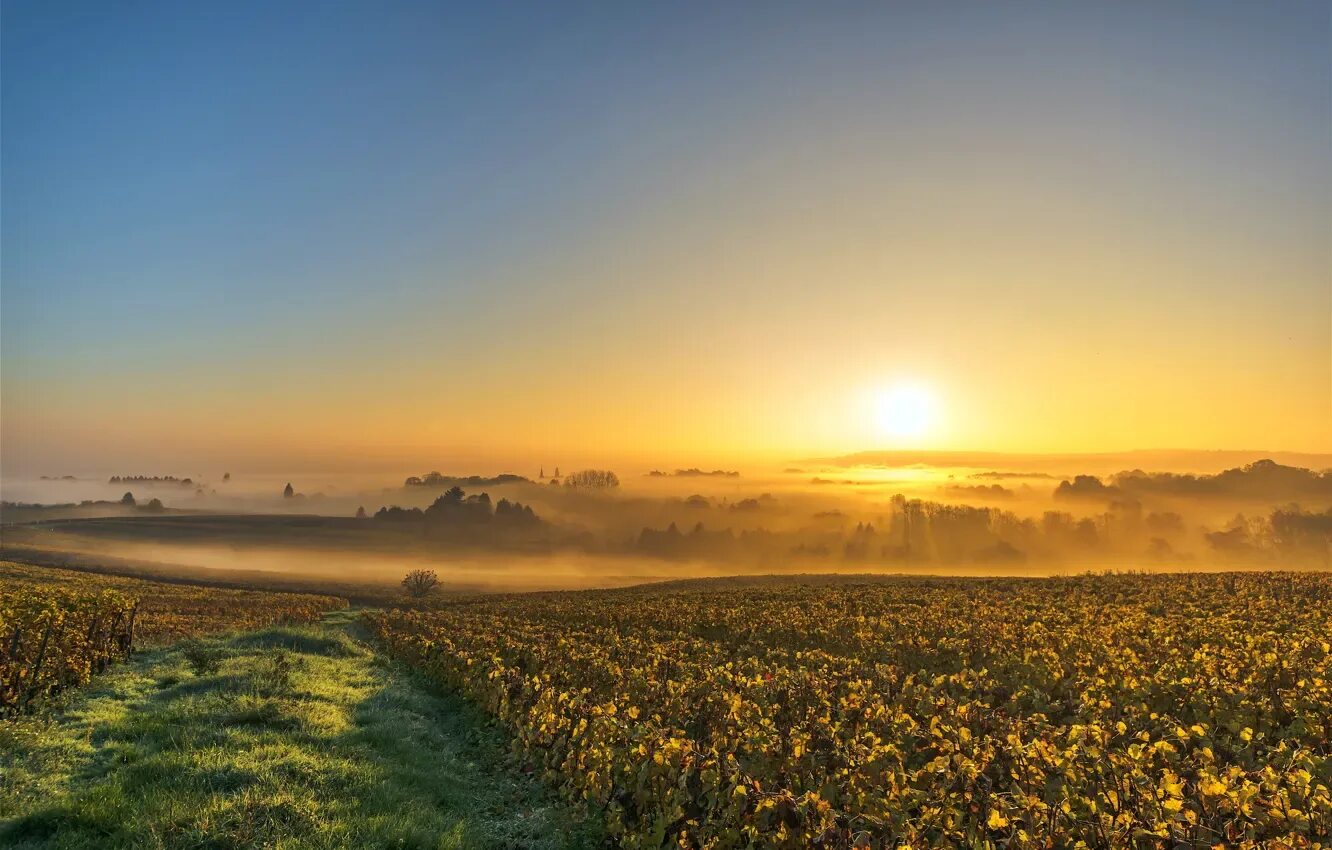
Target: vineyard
x=58, y=639
x=1097, y=711
x=60, y=627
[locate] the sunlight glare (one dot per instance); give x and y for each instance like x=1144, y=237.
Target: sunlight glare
x=906, y=411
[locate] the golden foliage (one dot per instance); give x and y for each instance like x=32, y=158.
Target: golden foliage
x=59, y=627
x=1097, y=711
x=54, y=639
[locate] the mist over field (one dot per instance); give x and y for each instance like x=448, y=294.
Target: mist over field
x=510, y=531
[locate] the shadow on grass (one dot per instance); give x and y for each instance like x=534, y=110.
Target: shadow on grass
x=303, y=738
x=335, y=644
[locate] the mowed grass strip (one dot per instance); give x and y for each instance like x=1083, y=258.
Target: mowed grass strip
x=293, y=737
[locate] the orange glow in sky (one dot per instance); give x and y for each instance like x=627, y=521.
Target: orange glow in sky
x=422, y=233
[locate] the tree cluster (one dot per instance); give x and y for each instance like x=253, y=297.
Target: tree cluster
x=150, y=479
x=455, y=508
x=439, y=479
x=592, y=479
x=1263, y=479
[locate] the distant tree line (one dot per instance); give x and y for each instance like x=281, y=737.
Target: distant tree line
x=150, y=480
x=1288, y=532
x=741, y=505
x=919, y=531
x=127, y=501
x=985, y=492
x=438, y=479
x=1260, y=479
x=592, y=479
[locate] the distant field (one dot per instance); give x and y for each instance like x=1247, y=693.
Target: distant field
x=212, y=528
x=305, y=530
x=357, y=559
x=161, y=572
x=1098, y=711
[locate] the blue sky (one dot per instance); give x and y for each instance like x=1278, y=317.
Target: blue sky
x=250, y=200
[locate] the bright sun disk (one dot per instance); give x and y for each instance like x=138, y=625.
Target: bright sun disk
x=905, y=411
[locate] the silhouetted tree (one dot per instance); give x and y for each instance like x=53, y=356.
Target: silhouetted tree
x=360, y=512
x=288, y=491
x=1085, y=487
x=1085, y=532
x=420, y=582
x=1166, y=522
x=155, y=506
x=1292, y=529
x=127, y=499
x=226, y=476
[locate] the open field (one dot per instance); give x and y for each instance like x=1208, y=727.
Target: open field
x=353, y=558
x=1098, y=711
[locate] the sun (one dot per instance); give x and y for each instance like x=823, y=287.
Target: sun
x=905, y=411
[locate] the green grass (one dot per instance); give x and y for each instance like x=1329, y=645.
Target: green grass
x=301, y=738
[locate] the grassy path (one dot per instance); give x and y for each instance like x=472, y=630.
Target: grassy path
x=301, y=738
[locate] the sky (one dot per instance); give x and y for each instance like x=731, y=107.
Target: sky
x=268, y=233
